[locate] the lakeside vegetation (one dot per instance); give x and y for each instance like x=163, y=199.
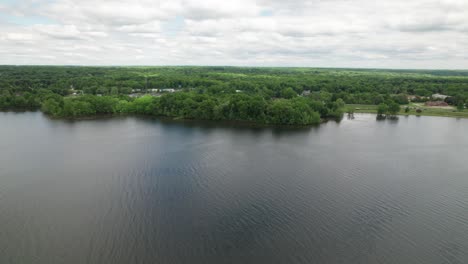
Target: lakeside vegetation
x=412, y=110
x=283, y=96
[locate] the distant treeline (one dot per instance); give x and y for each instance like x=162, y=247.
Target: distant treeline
x=267, y=95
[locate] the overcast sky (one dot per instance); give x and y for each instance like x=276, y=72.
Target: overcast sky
x=316, y=33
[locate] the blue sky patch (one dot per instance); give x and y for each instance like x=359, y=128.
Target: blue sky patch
x=173, y=26
x=25, y=20
x=266, y=13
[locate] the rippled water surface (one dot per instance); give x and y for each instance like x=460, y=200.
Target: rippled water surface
x=132, y=190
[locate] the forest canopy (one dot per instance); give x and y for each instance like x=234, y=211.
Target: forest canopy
x=289, y=96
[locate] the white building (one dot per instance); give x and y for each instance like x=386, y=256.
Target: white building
x=306, y=93
x=439, y=96
x=167, y=90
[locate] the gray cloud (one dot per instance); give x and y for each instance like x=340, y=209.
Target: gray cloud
x=341, y=33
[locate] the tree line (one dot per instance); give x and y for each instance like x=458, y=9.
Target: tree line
x=266, y=95
x=191, y=105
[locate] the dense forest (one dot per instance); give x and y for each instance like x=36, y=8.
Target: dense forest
x=289, y=96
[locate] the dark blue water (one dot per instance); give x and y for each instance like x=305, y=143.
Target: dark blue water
x=132, y=190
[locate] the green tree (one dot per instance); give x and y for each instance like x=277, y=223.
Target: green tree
x=401, y=99
x=102, y=90
x=142, y=105
x=122, y=106
x=340, y=103
x=393, y=108
x=68, y=109
x=84, y=109
x=114, y=91
x=382, y=109
x=51, y=107
x=285, y=112
x=280, y=112
x=205, y=110
x=288, y=93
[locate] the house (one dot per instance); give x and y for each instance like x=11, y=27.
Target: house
x=154, y=90
x=74, y=92
x=136, y=90
x=167, y=90
x=439, y=96
x=77, y=92
x=436, y=103
x=305, y=93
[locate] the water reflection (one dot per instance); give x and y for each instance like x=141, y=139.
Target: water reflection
x=139, y=190
x=390, y=119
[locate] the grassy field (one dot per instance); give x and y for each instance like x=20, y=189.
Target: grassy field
x=426, y=111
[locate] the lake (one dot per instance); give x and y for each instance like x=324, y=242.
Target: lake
x=135, y=190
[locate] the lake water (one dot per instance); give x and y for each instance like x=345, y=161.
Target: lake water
x=133, y=190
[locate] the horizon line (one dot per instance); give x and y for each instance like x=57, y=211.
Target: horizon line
x=233, y=66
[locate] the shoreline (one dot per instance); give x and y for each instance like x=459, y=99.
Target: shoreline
x=233, y=123
x=362, y=109
x=426, y=111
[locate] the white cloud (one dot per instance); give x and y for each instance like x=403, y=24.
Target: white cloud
x=151, y=27
x=213, y=9
x=360, y=33
x=18, y=37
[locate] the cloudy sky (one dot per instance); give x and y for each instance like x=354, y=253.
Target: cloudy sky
x=317, y=33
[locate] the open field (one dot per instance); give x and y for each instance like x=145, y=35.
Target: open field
x=426, y=111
